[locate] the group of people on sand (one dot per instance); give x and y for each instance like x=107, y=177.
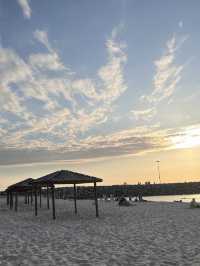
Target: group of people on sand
x=124, y=202
x=193, y=203
x=128, y=201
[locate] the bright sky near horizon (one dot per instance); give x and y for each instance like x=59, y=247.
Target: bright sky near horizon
x=101, y=87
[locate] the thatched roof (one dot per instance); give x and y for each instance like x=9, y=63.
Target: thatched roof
x=23, y=185
x=66, y=177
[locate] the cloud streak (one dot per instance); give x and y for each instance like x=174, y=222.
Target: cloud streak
x=48, y=114
x=145, y=114
x=131, y=142
x=167, y=74
x=52, y=109
x=24, y=4
x=42, y=37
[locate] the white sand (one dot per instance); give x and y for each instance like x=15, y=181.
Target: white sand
x=146, y=234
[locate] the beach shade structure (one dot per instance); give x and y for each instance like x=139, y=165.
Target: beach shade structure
x=65, y=177
x=24, y=186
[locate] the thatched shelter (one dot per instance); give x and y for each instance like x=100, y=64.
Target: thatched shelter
x=64, y=177
x=25, y=186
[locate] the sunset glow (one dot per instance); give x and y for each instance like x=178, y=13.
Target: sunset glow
x=101, y=87
x=190, y=138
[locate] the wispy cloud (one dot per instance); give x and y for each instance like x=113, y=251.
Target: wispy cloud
x=131, y=142
x=13, y=70
x=54, y=113
x=42, y=36
x=167, y=76
x=49, y=61
x=126, y=142
x=112, y=73
x=52, y=108
x=180, y=24
x=145, y=114
x=168, y=73
x=24, y=4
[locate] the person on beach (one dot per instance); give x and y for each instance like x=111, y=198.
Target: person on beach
x=124, y=202
x=136, y=199
x=194, y=204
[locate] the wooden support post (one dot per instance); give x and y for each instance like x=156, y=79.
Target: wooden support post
x=25, y=200
x=8, y=197
x=75, y=206
x=31, y=197
x=40, y=192
x=47, y=197
x=28, y=198
x=36, y=208
x=53, y=202
x=96, y=201
x=11, y=200
x=16, y=201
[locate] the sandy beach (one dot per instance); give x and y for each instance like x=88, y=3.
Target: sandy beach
x=144, y=234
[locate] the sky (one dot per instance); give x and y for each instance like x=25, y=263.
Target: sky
x=105, y=87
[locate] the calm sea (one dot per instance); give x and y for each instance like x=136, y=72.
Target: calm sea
x=171, y=198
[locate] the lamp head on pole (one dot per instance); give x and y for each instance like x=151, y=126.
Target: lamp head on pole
x=158, y=163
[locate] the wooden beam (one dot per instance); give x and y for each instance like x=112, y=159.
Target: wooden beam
x=16, y=201
x=96, y=201
x=75, y=205
x=47, y=197
x=36, y=207
x=53, y=202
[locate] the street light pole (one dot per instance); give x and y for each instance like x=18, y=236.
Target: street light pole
x=158, y=168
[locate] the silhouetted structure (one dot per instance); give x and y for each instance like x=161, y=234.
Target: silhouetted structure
x=32, y=186
x=65, y=177
x=25, y=187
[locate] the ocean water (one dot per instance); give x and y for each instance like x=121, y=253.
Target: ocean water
x=171, y=198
